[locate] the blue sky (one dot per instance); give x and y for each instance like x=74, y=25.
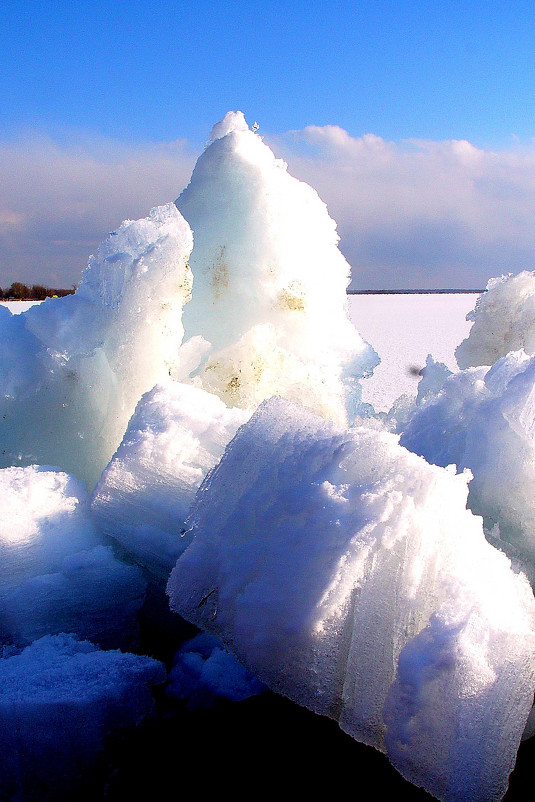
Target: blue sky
x=161, y=70
x=112, y=83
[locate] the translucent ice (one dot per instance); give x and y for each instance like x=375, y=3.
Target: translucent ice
x=269, y=282
x=503, y=321
x=59, y=699
x=176, y=435
x=346, y=573
x=72, y=369
x=484, y=419
x=56, y=573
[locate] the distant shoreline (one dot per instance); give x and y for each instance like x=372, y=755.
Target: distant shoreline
x=348, y=292
x=415, y=292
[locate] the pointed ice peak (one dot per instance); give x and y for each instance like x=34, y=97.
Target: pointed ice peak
x=232, y=121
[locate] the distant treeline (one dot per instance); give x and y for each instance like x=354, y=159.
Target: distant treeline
x=37, y=292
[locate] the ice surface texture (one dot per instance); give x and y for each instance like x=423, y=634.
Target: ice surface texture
x=484, y=419
x=56, y=572
x=59, y=699
x=270, y=283
x=176, y=435
x=347, y=574
x=73, y=369
x=268, y=314
x=503, y=321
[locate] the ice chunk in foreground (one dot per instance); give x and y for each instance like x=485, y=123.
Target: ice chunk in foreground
x=270, y=282
x=347, y=574
x=56, y=572
x=503, y=321
x=59, y=699
x=72, y=369
x=176, y=435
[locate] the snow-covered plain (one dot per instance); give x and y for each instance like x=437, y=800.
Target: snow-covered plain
x=16, y=307
x=404, y=329
x=192, y=423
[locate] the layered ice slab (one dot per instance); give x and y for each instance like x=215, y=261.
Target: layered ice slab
x=176, y=435
x=56, y=572
x=73, y=369
x=269, y=309
x=347, y=574
x=59, y=700
x=503, y=321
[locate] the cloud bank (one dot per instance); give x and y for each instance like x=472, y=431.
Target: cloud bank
x=410, y=214
x=421, y=213
x=58, y=201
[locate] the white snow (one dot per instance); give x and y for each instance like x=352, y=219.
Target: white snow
x=484, y=419
x=404, y=329
x=503, y=321
x=176, y=435
x=16, y=307
x=269, y=282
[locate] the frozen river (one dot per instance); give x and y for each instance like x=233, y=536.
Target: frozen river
x=404, y=329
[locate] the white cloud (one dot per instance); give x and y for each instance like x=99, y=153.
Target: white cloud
x=415, y=213
x=59, y=200
x=420, y=213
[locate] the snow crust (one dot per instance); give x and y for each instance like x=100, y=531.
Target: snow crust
x=321, y=557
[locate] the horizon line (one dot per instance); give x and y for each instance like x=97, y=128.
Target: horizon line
x=444, y=291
